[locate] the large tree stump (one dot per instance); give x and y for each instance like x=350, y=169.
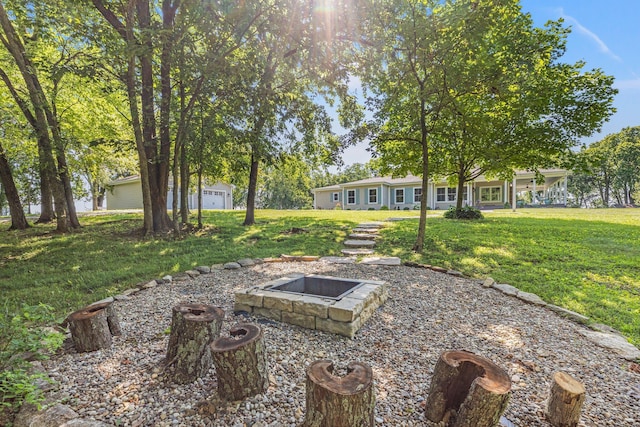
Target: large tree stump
x=565, y=401
x=241, y=363
x=193, y=329
x=467, y=390
x=92, y=327
x=339, y=402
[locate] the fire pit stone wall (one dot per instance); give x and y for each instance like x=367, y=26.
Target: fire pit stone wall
x=343, y=317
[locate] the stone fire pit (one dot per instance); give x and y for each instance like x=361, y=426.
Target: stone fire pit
x=330, y=304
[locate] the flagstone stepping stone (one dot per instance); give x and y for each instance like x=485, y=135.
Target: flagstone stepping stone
x=365, y=230
x=364, y=236
x=377, y=260
x=359, y=243
x=614, y=342
x=356, y=251
x=338, y=259
x=371, y=225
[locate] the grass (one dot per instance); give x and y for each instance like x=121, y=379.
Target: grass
x=585, y=260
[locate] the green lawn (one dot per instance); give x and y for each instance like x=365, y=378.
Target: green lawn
x=585, y=260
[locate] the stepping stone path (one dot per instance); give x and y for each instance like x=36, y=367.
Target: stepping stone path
x=362, y=239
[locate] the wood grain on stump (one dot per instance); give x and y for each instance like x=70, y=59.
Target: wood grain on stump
x=193, y=329
x=241, y=362
x=467, y=390
x=565, y=401
x=333, y=401
x=92, y=327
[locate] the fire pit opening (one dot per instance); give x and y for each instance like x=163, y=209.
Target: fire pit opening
x=325, y=287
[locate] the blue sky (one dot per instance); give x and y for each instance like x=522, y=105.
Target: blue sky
x=606, y=35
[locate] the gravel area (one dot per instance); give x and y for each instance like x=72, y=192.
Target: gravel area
x=426, y=314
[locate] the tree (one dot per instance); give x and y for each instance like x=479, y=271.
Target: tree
x=403, y=71
x=291, y=60
x=471, y=88
x=614, y=164
x=524, y=109
x=135, y=23
x=38, y=110
x=287, y=185
x=18, y=218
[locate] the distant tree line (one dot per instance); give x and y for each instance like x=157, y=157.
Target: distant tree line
x=607, y=172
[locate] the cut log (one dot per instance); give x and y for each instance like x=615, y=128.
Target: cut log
x=467, y=390
x=241, y=363
x=339, y=402
x=193, y=329
x=91, y=327
x=565, y=401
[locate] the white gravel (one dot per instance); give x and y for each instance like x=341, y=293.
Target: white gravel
x=426, y=314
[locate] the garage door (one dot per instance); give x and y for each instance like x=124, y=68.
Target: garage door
x=213, y=199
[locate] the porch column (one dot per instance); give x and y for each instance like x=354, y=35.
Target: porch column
x=469, y=195
x=505, y=198
x=513, y=195
x=534, y=197
x=565, y=190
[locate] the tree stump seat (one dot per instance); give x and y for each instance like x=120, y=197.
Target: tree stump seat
x=193, y=329
x=241, y=362
x=467, y=390
x=565, y=401
x=332, y=401
x=93, y=326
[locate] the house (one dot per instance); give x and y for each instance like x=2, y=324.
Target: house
x=126, y=193
x=406, y=193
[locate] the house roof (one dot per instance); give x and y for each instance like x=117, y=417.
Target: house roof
x=411, y=179
x=136, y=178
x=125, y=180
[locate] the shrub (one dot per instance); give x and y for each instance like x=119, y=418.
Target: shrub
x=406, y=208
x=24, y=337
x=384, y=208
x=371, y=209
x=466, y=212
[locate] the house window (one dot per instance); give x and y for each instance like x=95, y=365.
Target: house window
x=490, y=194
x=399, y=195
x=448, y=194
x=417, y=195
x=334, y=197
x=351, y=197
x=373, y=196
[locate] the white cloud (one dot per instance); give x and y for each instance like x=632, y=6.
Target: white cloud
x=590, y=34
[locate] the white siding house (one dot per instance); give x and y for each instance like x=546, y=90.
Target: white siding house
x=126, y=193
x=406, y=193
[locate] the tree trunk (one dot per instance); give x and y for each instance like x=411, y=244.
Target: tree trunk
x=467, y=390
x=422, y=225
x=250, y=218
x=200, y=198
x=565, y=401
x=193, y=329
x=184, y=186
x=47, y=213
x=18, y=219
x=332, y=401
x=460, y=190
x=92, y=327
x=241, y=363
